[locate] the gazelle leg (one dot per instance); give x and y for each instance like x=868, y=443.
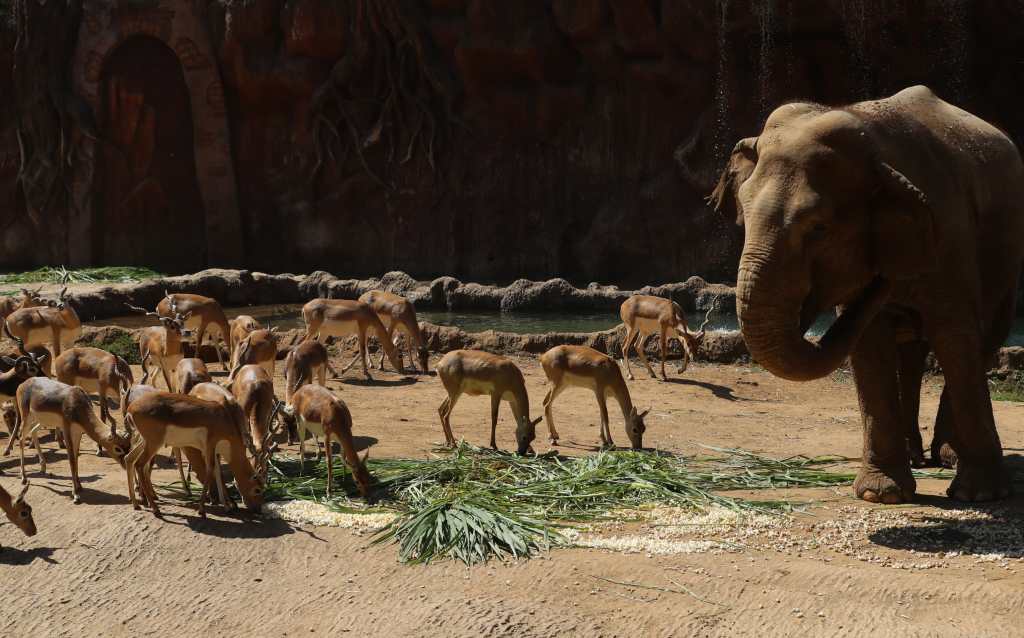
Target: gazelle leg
x=445, y=411
x=606, y=435
x=663, y=342
x=330, y=462
x=39, y=449
x=74, y=444
x=186, y=483
x=631, y=335
x=167, y=377
x=225, y=501
x=363, y=354
x=134, y=454
x=495, y=404
x=549, y=399
x=200, y=335
x=301, y=427
x=643, y=355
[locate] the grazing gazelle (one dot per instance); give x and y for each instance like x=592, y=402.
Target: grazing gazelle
x=241, y=326
x=18, y=511
x=258, y=348
x=304, y=361
x=583, y=367
x=189, y=373
x=28, y=299
x=95, y=370
x=45, y=403
x=253, y=388
x=56, y=324
x=475, y=373
x=161, y=344
x=345, y=317
x=316, y=410
x=202, y=312
x=398, y=315
x=174, y=420
x=644, y=316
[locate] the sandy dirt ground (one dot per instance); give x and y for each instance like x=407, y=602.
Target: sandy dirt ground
x=843, y=568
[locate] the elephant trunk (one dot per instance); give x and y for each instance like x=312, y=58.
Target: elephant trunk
x=770, y=320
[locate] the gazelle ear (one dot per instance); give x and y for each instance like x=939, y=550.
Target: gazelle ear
x=645, y=413
x=536, y=421
x=365, y=457
x=8, y=361
x=24, y=490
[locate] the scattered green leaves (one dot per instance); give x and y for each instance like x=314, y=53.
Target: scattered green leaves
x=1008, y=388
x=105, y=274
x=472, y=503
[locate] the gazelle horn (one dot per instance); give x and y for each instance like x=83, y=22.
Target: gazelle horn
x=707, y=317
x=142, y=310
x=24, y=490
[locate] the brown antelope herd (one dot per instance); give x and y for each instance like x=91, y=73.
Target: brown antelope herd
x=47, y=388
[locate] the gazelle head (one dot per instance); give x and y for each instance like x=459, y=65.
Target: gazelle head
x=175, y=323
x=526, y=432
x=635, y=427
x=21, y=514
x=31, y=298
x=361, y=474
x=120, y=444
x=29, y=364
x=62, y=300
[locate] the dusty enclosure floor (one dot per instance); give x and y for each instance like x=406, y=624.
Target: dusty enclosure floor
x=844, y=568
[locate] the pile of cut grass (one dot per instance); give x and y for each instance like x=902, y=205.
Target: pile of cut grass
x=472, y=504
x=104, y=274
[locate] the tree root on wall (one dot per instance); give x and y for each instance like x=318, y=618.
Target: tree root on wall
x=387, y=89
x=49, y=113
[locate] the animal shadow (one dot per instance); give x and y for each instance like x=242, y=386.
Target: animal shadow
x=406, y=380
x=997, y=533
x=15, y=556
x=720, y=391
x=238, y=525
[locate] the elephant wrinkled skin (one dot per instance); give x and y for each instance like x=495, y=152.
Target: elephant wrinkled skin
x=905, y=214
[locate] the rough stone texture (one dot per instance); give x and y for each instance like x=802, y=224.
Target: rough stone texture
x=588, y=131
x=242, y=287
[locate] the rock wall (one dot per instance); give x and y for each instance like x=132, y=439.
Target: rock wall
x=499, y=139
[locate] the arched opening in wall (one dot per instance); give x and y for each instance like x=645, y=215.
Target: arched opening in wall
x=149, y=211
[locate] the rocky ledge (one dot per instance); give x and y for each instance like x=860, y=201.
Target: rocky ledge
x=243, y=287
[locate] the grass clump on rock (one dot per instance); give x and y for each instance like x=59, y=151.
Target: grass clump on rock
x=104, y=274
x=472, y=504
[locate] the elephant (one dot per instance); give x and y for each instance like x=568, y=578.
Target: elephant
x=906, y=215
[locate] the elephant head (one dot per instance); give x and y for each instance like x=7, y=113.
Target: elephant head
x=827, y=224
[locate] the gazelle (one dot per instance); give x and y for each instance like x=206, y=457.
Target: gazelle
x=476, y=373
x=305, y=360
x=344, y=317
x=583, y=367
x=241, y=326
x=95, y=370
x=28, y=299
x=202, y=312
x=56, y=324
x=253, y=388
x=27, y=366
x=258, y=348
x=49, y=404
x=161, y=344
x=174, y=420
x=209, y=391
x=18, y=511
x=189, y=373
x=398, y=315
x=316, y=410
x=644, y=316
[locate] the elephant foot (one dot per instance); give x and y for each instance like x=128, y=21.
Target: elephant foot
x=943, y=455
x=890, y=485
x=980, y=481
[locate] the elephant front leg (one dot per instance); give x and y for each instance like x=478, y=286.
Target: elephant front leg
x=884, y=476
x=912, y=358
x=980, y=473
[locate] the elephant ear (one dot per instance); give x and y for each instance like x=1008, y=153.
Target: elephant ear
x=903, y=227
x=741, y=164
